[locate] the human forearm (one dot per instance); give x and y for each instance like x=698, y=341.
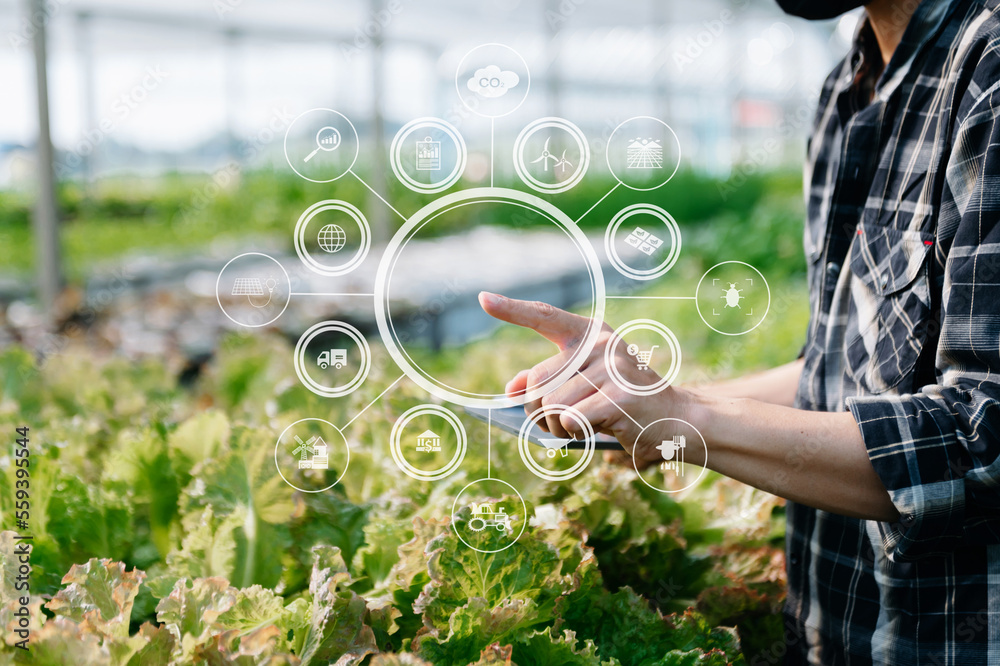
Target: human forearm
x=776, y=386
x=814, y=458
x=817, y=459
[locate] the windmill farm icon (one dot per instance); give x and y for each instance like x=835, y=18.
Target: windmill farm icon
x=315, y=446
x=557, y=162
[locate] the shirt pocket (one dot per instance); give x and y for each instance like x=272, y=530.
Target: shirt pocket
x=889, y=308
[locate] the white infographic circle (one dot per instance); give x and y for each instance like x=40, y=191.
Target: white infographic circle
x=484, y=521
x=732, y=298
x=492, y=80
x=257, y=289
x=333, y=359
x=331, y=238
x=428, y=155
x=643, y=241
x=544, y=168
x=643, y=153
x=321, y=145
x=524, y=443
x=396, y=447
x=298, y=440
x=672, y=451
x=642, y=357
x=392, y=338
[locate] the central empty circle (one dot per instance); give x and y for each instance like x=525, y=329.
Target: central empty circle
x=486, y=239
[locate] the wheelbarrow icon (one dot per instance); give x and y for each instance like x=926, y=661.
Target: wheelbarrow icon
x=553, y=445
x=642, y=357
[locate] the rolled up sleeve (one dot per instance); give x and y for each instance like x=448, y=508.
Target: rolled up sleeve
x=937, y=451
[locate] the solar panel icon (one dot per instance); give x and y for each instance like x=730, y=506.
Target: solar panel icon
x=248, y=287
x=251, y=287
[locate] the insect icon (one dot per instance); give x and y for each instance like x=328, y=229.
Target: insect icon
x=733, y=297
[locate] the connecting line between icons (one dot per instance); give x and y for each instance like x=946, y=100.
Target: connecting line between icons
x=370, y=189
x=489, y=443
x=655, y=298
x=348, y=424
x=325, y=293
x=598, y=202
x=609, y=399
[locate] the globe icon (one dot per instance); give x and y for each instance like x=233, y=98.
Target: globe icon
x=331, y=238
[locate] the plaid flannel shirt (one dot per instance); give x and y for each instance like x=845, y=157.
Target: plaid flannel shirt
x=903, y=241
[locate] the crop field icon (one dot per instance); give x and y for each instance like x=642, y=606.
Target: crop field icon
x=484, y=515
x=644, y=154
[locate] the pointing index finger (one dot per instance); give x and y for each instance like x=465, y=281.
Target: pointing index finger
x=563, y=328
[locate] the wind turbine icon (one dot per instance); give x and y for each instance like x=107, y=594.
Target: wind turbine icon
x=562, y=163
x=547, y=155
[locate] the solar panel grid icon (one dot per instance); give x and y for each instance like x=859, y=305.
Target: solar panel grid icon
x=248, y=287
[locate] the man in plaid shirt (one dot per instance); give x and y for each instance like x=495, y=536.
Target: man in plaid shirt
x=885, y=434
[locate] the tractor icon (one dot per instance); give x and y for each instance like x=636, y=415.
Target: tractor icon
x=733, y=297
x=484, y=515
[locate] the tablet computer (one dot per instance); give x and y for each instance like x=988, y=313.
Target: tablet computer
x=511, y=419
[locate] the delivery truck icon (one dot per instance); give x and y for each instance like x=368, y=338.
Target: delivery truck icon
x=335, y=357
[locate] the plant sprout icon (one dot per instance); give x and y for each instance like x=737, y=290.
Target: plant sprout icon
x=558, y=162
x=733, y=297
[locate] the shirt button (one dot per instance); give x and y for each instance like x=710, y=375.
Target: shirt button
x=794, y=559
x=832, y=270
x=884, y=280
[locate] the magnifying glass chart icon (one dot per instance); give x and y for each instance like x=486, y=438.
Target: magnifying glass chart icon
x=327, y=139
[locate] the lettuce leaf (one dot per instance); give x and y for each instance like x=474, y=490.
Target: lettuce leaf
x=99, y=595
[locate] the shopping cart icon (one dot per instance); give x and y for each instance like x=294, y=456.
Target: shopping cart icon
x=642, y=357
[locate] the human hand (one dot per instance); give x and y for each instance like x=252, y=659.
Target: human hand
x=591, y=391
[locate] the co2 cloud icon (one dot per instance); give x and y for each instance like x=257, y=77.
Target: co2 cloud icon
x=491, y=81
